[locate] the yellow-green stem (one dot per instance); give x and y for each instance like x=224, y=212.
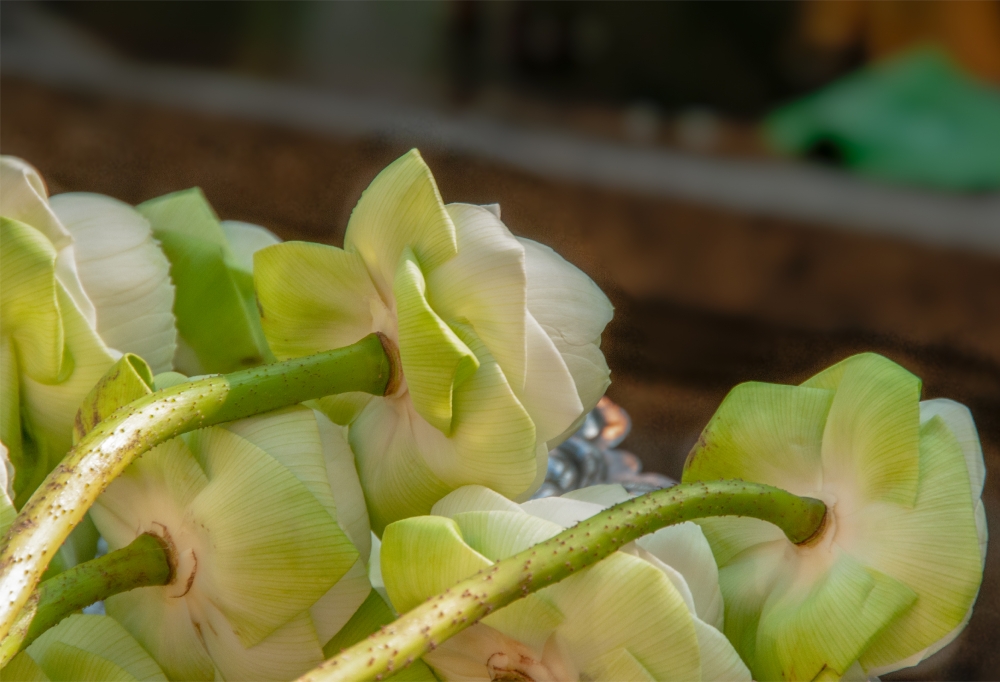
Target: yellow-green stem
x=72, y=487
x=419, y=631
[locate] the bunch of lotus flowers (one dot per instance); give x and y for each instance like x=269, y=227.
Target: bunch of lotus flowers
x=292, y=534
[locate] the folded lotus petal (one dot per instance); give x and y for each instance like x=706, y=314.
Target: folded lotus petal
x=765, y=432
x=125, y=274
x=246, y=239
x=501, y=534
x=958, y=419
x=606, y=495
x=96, y=642
x=564, y=512
x=620, y=665
x=7, y=510
x=24, y=669
x=933, y=548
x=484, y=285
x=472, y=497
x=811, y=625
x=445, y=559
x=530, y=620
x=342, y=474
x=25, y=199
x=217, y=317
x=551, y=396
x=313, y=297
x=401, y=209
x=10, y=413
x=335, y=608
x=28, y=300
x=872, y=430
x=719, y=660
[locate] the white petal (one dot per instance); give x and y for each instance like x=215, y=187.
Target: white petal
x=352, y=514
x=246, y=239
x=960, y=422
x=335, y=608
x=564, y=511
x=125, y=275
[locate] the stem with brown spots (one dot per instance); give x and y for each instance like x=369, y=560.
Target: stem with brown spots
x=72, y=487
x=419, y=631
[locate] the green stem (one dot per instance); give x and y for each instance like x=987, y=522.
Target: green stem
x=142, y=563
x=72, y=487
x=422, y=629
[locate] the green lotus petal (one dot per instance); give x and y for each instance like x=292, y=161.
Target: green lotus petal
x=335, y=608
x=66, y=662
x=167, y=379
x=573, y=311
x=94, y=637
x=684, y=548
x=312, y=297
x=766, y=433
x=826, y=623
x=719, y=660
x=23, y=668
x=606, y=495
x=216, y=313
x=128, y=379
x=396, y=480
x=933, y=548
x=484, y=284
x=343, y=408
x=959, y=421
x=530, y=620
x=10, y=410
x=7, y=510
x=270, y=560
x=28, y=300
x=871, y=437
x=372, y=615
x=124, y=274
x=619, y=665
x=163, y=626
x=342, y=474
x=401, y=209
x=291, y=436
x=472, y=498
x=423, y=556
x=501, y=534
x=435, y=361
x=288, y=652
x=48, y=410
x=245, y=240
x=637, y=608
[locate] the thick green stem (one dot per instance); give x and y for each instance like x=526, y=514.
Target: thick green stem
x=422, y=629
x=142, y=563
x=87, y=470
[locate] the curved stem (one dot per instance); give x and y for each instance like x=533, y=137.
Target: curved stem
x=142, y=563
x=72, y=487
x=422, y=629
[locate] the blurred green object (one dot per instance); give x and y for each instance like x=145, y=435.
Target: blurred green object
x=915, y=119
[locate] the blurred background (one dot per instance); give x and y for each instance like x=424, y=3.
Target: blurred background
x=761, y=188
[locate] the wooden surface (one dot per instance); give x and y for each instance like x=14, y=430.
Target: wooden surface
x=705, y=298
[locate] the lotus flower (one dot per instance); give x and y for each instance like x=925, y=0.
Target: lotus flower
x=892, y=574
x=211, y=264
x=498, y=339
x=648, y=612
x=84, y=648
x=83, y=282
x=269, y=540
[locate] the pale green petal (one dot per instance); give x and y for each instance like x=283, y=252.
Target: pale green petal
x=70, y=663
x=168, y=379
x=163, y=626
x=128, y=379
x=246, y=239
x=291, y=436
x=932, y=548
x=573, y=311
x=216, y=312
x=959, y=420
x=474, y=654
x=730, y=536
x=401, y=208
x=10, y=412
x=530, y=620
x=342, y=474
x=826, y=623
x=335, y=608
x=472, y=498
x=500, y=534
x=270, y=560
x=871, y=440
x=564, y=512
x=423, y=556
x=124, y=274
x=765, y=433
x=290, y=651
x=637, y=608
x=550, y=395
x=719, y=660
x=394, y=476
x=100, y=637
x=312, y=297
x=685, y=549
x=606, y=495
x=23, y=668
x=343, y=408
x=619, y=665
x=435, y=361
x=28, y=300
x=484, y=285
